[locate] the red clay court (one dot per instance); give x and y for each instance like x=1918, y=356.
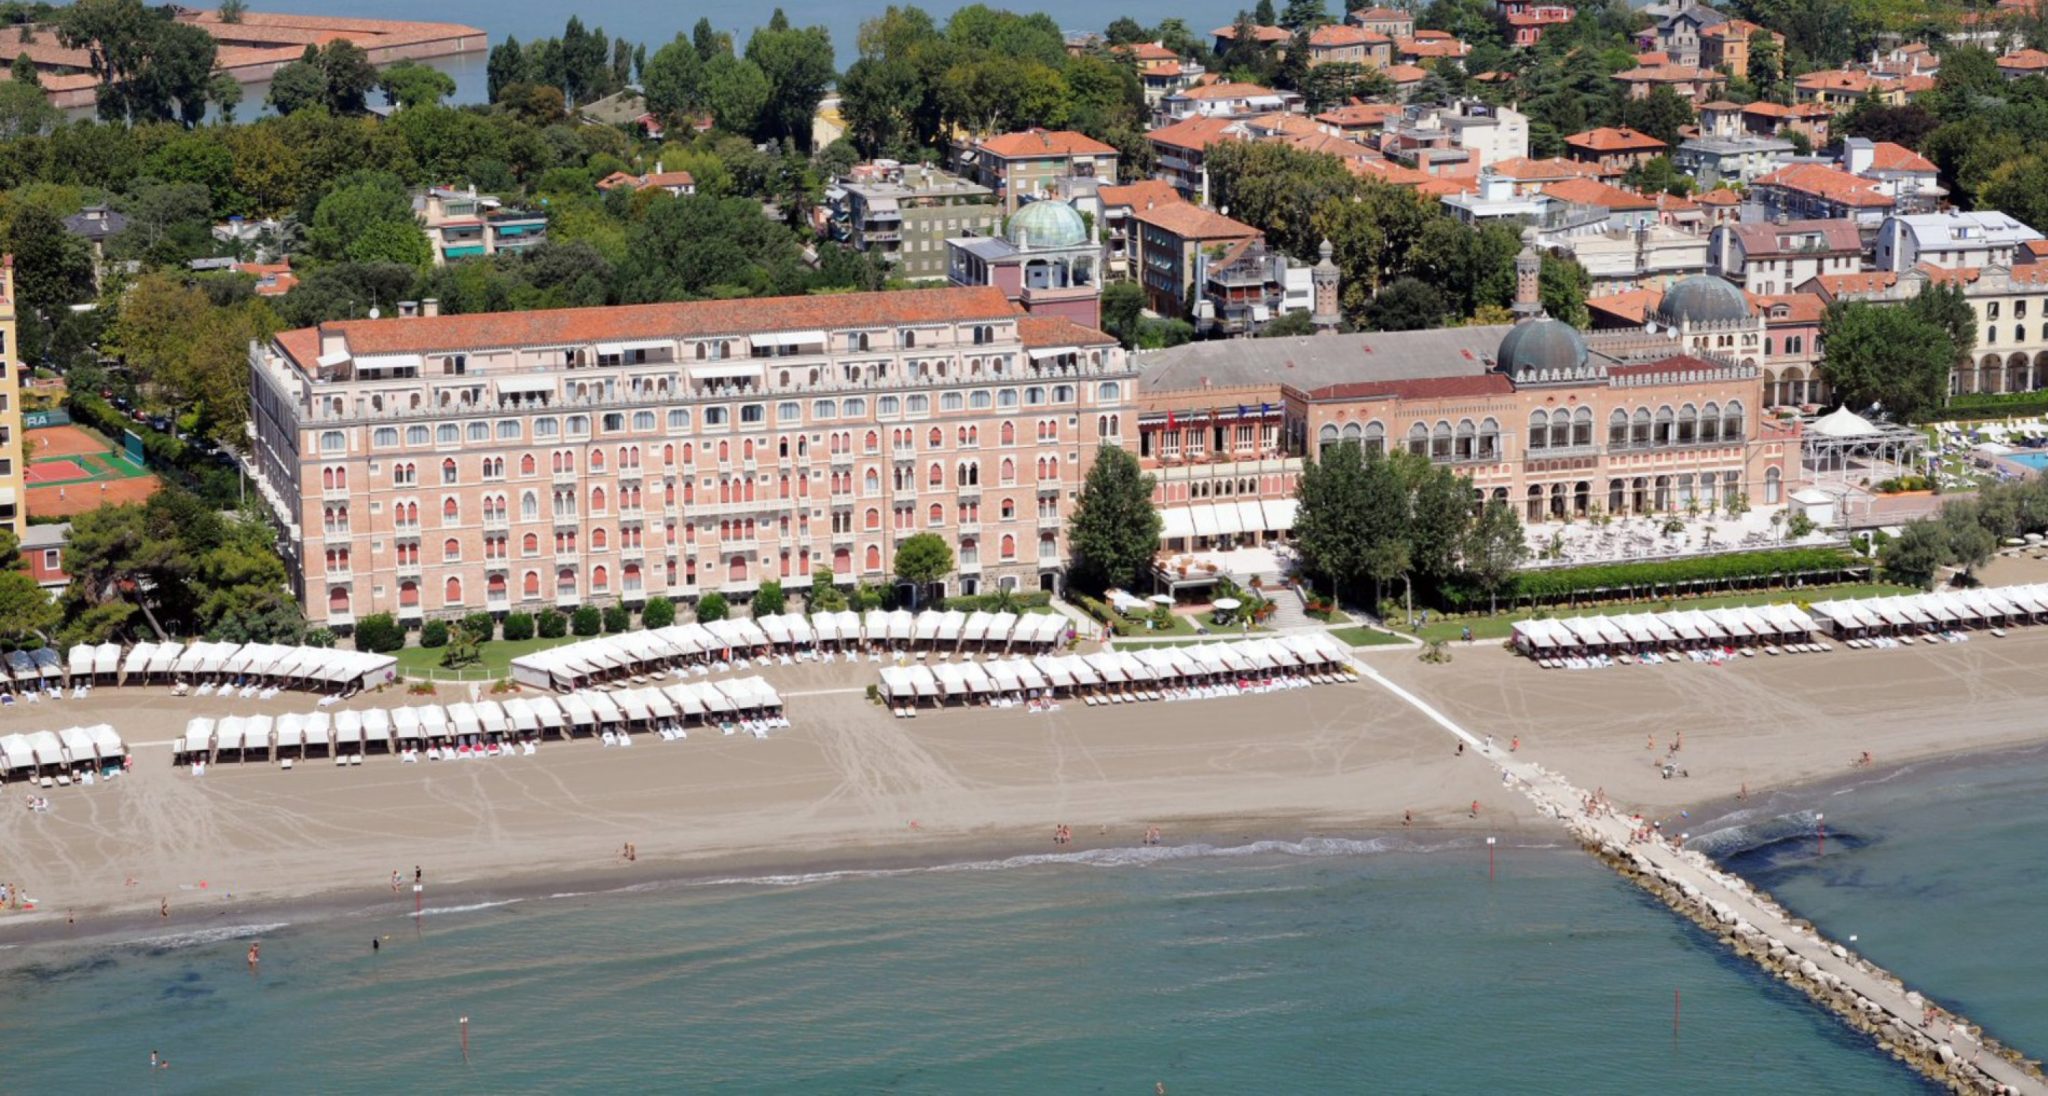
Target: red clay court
x=72, y=470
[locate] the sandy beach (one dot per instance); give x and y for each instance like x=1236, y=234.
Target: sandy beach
x=849, y=784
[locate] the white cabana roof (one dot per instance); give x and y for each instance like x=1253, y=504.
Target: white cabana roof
x=376, y=725
x=1844, y=423
x=106, y=658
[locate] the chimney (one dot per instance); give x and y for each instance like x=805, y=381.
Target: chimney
x=657, y=167
x=430, y=307
x=408, y=308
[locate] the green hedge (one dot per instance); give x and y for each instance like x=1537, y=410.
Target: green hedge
x=1659, y=577
x=988, y=603
x=1101, y=611
x=1987, y=406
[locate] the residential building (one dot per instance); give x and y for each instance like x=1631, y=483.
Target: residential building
x=1952, y=240
x=2010, y=305
x=13, y=471
x=462, y=224
x=1841, y=89
x=1714, y=161
x=1769, y=258
x=1613, y=149
x=492, y=462
x=1276, y=38
x=1688, y=81
x=1247, y=286
x=1225, y=100
x=1791, y=362
x=272, y=279
x=676, y=183
x=1555, y=423
x=1176, y=242
x=905, y=215
x=1336, y=43
x=1361, y=122
x=1498, y=197
x=1047, y=262
x=1678, y=34
x=1725, y=46
x=1590, y=205
x=1646, y=255
x=261, y=240
x=1391, y=22
x=1030, y=164
x=1812, y=120
x=1425, y=46
x=1160, y=70
x=2020, y=64
x=1531, y=176
x=1908, y=177
x=1528, y=19
x=1456, y=138
x=1809, y=191
x=42, y=548
x=96, y=224
x=1181, y=150
x=1118, y=229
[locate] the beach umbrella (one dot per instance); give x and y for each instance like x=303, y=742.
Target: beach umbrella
x=1228, y=603
x=1161, y=599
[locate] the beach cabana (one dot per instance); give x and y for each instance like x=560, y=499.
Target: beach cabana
x=520, y=715
x=348, y=732
x=80, y=662
x=549, y=714
x=492, y=715
x=405, y=724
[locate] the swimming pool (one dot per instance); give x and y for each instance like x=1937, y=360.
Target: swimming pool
x=2036, y=459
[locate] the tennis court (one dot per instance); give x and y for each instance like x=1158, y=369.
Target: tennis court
x=72, y=469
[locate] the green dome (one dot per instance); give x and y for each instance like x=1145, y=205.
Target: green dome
x=1540, y=345
x=1047, y=222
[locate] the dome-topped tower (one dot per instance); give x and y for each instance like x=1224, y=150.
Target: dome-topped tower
x=1702, y=298
x=1324, y=278
x=1046, y=223
x=1541, y=350
x=1528, y=279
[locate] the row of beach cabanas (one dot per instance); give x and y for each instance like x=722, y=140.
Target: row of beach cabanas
x=347, y=735
x=1690, y=629
x=61, y=757
x=270, y=663
x=1942, y=610
x=627, y=654
x=1113, y=675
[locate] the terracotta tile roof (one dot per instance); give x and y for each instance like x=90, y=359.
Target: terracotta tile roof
x=1666, y=74
x=1720, y=196
x=1419, y=388
x=1192, y=222
x=1381, y=15
x=1138, y=194
x=2030, y=60
x=669, y=178
x=1633, y=306
x=1195, y=133
x=580, y=326
x=1041, y=142
x=1148, y=51
x=1654, y=57
x=1592, y=192
x=2033, y=250
x=1952, y=275
x=301, y=345
x=1828, y=183
x=1798, y=308
x=2030, y=274
x=1557, y=167
x=1614, y=139
x=1337, y=36
x=1226, y=91
x=1429, y=44
x=1330, y=145
x=1434, y=36
x=1888, y=156
x=1390, y=172
x=1164, y=68
x=1352, y=115
x=1861, y=282
x=1837, y=80
x=1045, y=331
x=1405, y=74
x=1281, y=123
x=1720, y=104
x=1263, y=34
x=1767, y=239
x=1763, y=109
x=1918, y=83
x=1443, y=186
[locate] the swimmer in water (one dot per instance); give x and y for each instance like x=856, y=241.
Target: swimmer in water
x=255, y=954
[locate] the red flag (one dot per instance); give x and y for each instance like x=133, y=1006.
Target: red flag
x=1169, y=420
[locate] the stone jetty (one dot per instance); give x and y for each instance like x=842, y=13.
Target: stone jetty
x=1940, y=1045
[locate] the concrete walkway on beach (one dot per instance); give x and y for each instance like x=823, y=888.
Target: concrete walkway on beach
x=1735, y=904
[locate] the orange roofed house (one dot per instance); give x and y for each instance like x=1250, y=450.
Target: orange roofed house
x=1614, y=150
x=1023, y=165
x=435, y=466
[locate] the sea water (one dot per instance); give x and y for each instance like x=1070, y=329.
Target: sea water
x=1937, y=871
x=1320, y=967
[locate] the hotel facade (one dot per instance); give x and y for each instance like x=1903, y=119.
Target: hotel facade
x=430, y=465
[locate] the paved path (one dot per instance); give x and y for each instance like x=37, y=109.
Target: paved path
x=1734, y=903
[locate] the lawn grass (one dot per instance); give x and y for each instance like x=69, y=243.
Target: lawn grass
x=1362, y=636
x=497, y=658
x=1501, y=625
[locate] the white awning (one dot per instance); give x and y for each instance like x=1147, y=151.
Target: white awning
x=1251, y=517
x=790, y=338
x=545, y=383
x=1041, y=353
x=737, y=371
x=1205, y=520
x=1228, y=521
x=329, y=361
x=389, y=361
x=1176, y=522
x=1280, y=514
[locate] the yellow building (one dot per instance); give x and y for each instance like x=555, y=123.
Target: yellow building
x=13, y=494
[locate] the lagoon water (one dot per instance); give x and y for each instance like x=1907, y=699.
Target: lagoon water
x=655, y=24
x=1324, y=967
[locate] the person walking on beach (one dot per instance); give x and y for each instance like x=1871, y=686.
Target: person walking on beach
x=163, y=908
x=416, y=877
x=1475, y=808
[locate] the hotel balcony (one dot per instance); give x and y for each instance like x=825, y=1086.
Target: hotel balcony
x=410, y=612
x=497, y=603
x=970, y=528
x=409, y=569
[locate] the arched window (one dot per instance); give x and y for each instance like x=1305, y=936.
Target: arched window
x=597, y=500
x=529, y=545
x=596, y=460
x=1639, y=428
x=1440, y=441
x=936, y=516
x=1560, y=429
x=1773, y=485
x=1009, y=546
x=1418, y=440
x=1732, y=427
x=449, y=510
x=1688, y=424
x=529, y=506
x=873, y=518
x=448, y=473
x=1710, y=423
x=937, y=475
x=530, y=585
x=874, y=558
x=453, y=594
x=1376, y=438
x=600, y=579
x=1582, y=427
x=1663, y=430
x=597, y=539
x=1009, y=433
x=1539, y=429
x=1468, y=436
x=1489, y=440
x=1617, y=429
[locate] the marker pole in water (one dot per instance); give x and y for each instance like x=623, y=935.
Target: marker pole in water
x=1675, y=1003
x=417, y=889
x=1821, y=821
x=1489, y=858
x=464, y=1024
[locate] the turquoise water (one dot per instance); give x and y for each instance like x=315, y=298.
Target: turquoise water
x=1273, y=971
x=2035, y=459
x=1938, y=874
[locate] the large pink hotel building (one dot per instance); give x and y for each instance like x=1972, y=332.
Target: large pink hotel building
x=430, y=465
